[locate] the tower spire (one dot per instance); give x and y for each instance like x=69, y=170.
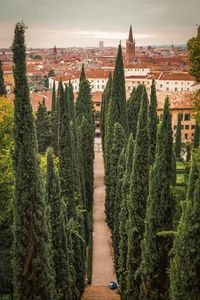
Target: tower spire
x=130, y=37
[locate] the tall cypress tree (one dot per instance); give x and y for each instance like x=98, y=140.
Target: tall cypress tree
x=2, y=86
x=123, y=216
x=118, y=143
x=59, y=238
x=153, y=122
x=159, y=215
x=185, y=262
x=134, y=109
x=67, y=171
x=32, y=255
x=53, y=101
x=196, y=136
x=138, y=197
x=82, y=76
x=84, y=109
x=104, y=106
x=178, y=145
x=43, y=128
x=116, y=114
x=118, y=200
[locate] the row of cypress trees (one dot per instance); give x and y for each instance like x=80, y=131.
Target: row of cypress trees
x=140, y=169
x=50, y=214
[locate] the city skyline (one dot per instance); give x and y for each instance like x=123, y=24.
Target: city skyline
x=84, y=23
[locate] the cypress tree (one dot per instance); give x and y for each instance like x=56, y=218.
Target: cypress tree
x=188, y=152
x=123, y=216
x=53, y=101
x=118, y=143
x=178, y=145
x=82, y=76
x=137, y=198
x=134, y=109
x=159, y=215
x=84, y=109
x=185, y=262
x=118, y=200
x=2, y=86
x=67, y=171
x=116, y=114
x=153, y=122
x=43, y=128
x=32, y=255
x=59, y=239
x=104, y=106
x=196, y=136
x=78, y=244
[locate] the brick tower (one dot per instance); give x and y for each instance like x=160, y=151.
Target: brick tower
x=130, y=48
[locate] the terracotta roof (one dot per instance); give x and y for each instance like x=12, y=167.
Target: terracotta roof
x=177, y=76
x=178, y=100
x=37, y=97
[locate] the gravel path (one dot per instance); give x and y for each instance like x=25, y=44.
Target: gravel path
x=103, y=268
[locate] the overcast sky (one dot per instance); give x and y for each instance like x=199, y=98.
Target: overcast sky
x=67, y=23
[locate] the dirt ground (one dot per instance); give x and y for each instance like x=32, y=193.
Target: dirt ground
x=103, y=267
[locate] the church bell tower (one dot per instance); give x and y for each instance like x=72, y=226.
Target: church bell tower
x=130, y=48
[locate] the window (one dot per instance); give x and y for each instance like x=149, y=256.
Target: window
x=161, y=85
x=92, y=86
x=167, y=89
x=186, y=136
x=187, y=117
x=182, y=82
x=182, y=127
x=167, y=82
x=193, y=126
x=176, y=82
x=138, y=82
x=98, y=87
x=98, y=104
x=187, y=127
x=175, y=89
x=102, y=86
x=181, y=117
x=175, y=126
x=188, y=89
x=181, y=89
x=97, y=80
x=129, y=88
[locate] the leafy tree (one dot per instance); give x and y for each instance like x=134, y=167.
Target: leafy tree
x=159, y=215
x=184, y=271
x=138, y=198
x=43, y=128
x=178, y=144
x=193, y=46
x=134, y=109
x=32, y=248
x=6, y=194
x=2, y=86
x=153, y=123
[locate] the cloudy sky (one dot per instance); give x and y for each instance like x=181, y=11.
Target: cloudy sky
x=69, y=23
